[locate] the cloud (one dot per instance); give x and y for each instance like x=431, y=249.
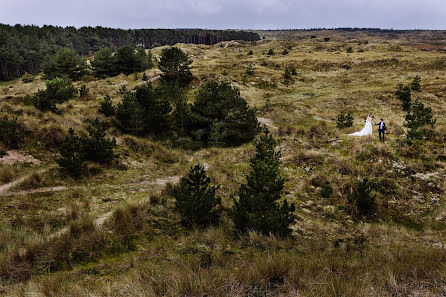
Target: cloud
x=255, y=14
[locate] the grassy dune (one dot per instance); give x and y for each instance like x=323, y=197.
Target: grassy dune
x=127, y=240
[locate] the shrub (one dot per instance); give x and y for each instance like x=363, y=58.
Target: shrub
x=326, y=39
x=362, y=198
x=106, y=107
x=72, y=156
x=416, y=83
x=249, y=70
x=417, y=118
x=404, y=94
x=96, y=147
x=326, y=190
x=221, y=103
x=10, y=133
x=293, y=70
x=83, y=91
x=196, y=200
x=345, y=119
x=257, y=207
x=287, y=73
x=285, y=52
x=349, y=50
x=144, y=77
x=65, y=63
x=250, y=53
x=27, y=78
x=174, y=64
x=58, y=90
x=270, y=52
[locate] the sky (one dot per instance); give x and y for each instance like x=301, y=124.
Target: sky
x=228, y=14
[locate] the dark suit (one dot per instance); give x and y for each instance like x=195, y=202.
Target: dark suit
x=381, y=130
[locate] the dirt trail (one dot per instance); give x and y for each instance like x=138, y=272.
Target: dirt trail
x=14, y=156
x=268, y=122
x=100, y=220
x=4, y=188
x=38, y=190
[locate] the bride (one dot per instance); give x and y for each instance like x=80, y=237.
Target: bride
x=367, y=130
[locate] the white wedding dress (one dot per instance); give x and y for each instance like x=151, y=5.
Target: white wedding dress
x=367, y=130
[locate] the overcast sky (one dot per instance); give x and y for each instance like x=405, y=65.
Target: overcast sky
x=224, y=14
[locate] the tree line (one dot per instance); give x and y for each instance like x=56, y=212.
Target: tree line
x=24, y=48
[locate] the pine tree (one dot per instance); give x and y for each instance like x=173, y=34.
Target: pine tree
x=106, y=107
x=127, y=61
x=416, y=83
x=72, y=157
x=104, y=64
x=65, y=63
x=174, y=64
x=97, y=148
x=257, y=207
x=404, y=94
x=130, y=115
x=222, y=103
x=417, y=118
x=196, y=200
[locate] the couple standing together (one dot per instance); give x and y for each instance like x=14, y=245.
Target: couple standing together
x=367, y=130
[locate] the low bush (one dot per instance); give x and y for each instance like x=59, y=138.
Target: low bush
x=83, y=91
x=249, y=70
x=58, y=90
x=345, y=119
x=11, y=135
x=27, y=78
x=362, y=198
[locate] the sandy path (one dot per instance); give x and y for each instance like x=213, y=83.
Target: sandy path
x=267, y=122
x=4, y=188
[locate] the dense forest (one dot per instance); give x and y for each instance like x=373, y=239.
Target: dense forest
x=24, y=48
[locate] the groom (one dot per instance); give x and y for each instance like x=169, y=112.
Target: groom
x=381, y=129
